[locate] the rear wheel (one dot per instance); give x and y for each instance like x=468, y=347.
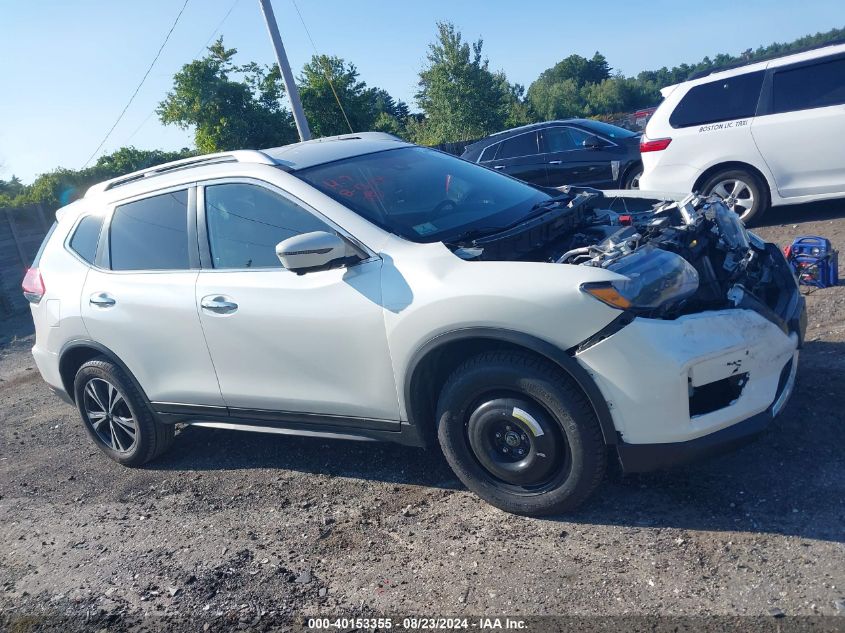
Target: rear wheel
x=520, y=434
x=742, y=191
x=116, y=416
x=632, y=179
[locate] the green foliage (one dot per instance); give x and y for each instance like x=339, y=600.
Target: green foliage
x=62, y=186
x=581, y=87
x=362, y=106
x=459, y=95
x=233, y=107
x=229, y=107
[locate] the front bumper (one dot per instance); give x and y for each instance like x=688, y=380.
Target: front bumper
x=637, y=458
x=687, y=388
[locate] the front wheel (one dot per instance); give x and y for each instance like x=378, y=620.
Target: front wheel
x=742, y=191
x=520, y=434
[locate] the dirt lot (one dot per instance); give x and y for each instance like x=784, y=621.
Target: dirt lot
x=233, y=529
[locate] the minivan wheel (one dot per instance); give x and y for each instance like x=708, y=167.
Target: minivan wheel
x=116, y=416
x=746, y=195
x=520, y=434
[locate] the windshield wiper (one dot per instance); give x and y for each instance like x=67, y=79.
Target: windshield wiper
x=537, y=210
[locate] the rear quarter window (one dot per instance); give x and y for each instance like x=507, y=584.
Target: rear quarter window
x=86, y=237
x=722, y=100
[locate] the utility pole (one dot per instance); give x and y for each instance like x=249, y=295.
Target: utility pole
x=284, y=66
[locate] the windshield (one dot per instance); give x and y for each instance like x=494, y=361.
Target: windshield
x=424, y=195
x=606, y=129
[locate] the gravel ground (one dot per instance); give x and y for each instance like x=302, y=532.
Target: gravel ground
x=253, y=531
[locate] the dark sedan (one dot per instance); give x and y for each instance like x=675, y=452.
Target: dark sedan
x=569, y=152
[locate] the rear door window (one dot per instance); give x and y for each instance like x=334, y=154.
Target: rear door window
x=86, y=237
x=809, y=86
x=151, y=234
x=521, y=145
x=722, y=100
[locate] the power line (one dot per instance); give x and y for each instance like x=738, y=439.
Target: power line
x=225, y=17
x=325, y=72
x=205, y=46
x=143, y=79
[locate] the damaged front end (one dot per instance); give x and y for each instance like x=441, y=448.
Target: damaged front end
x=676, y=257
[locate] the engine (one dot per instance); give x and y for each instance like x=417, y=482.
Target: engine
x=679, y=257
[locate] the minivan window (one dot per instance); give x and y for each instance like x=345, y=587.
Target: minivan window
x=245, y=222
x=85, y=238
x=521, y=145
x=809, y=86
x=722, y=100
x=151, y=234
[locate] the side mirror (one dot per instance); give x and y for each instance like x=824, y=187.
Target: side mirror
x=591, y=142
x=312, y=251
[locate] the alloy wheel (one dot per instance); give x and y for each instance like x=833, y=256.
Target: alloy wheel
x=635, y=180
x=109, y=415
x=738, y=195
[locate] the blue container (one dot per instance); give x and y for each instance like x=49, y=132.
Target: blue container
x=814, y=261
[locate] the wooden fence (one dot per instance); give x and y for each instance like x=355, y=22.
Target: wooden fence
x=21, y=233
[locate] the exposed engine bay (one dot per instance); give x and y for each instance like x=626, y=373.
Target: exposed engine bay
x=679, y=257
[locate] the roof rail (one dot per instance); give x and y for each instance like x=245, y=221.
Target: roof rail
x=698, y=74
x=237, y=156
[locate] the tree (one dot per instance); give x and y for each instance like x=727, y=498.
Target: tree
x=129, y=159
x=226, y=112
x=558, y=92
x=461, y=98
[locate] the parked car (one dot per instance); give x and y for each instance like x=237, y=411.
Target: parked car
x=360, y=287
x=763, y=134
x=569, y=152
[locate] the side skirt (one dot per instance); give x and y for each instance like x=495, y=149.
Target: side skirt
x=289, y=423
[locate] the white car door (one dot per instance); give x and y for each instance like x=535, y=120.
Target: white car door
x=286, y=345
x=139, y=302
x=801, y=137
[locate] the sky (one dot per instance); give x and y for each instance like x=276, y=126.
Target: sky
x=67, y=69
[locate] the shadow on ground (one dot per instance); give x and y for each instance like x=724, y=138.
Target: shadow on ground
x=809, y=212
x=792, y=481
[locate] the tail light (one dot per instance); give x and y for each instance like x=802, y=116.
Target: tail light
x=33, y=285
x=654, y=145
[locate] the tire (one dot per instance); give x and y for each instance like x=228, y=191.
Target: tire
x=728, y=181
x=632, y=179
x=111, y=406
x=493, y=406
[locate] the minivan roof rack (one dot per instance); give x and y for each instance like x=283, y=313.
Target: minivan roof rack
x=766, y=58
x=237, y=156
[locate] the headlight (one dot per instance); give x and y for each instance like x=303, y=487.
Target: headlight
x=655, y=278
x=731, y=228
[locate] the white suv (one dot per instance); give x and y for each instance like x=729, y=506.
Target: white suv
x=364, y=288
x=765, y=133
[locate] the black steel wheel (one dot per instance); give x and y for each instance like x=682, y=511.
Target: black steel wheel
x=520, y=434
x=517, y=442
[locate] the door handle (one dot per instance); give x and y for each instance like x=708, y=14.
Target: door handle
x=101, y=300
x=498, y=166
x=555, y=162
x=218, y=304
